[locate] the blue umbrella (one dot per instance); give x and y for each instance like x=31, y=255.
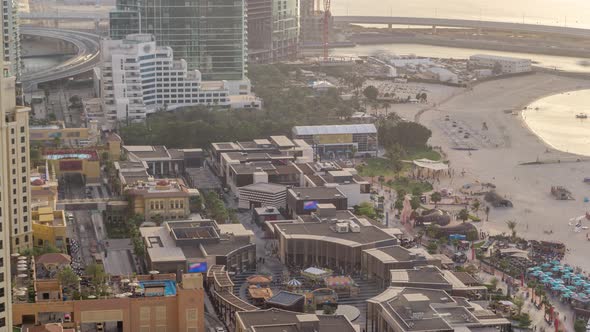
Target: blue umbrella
x=548, y=273
x=566, y=295
x=571, y=287
x=555, y=269
x=559, y=281
x=555, y=262
x=546, y=265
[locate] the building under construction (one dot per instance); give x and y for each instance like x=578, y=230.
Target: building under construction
x=313, y=23
x=273, y=30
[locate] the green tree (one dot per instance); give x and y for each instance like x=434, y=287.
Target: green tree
x=68, y=280
x=580, y=325
x=475, y=206
x=138, y=246
x=519, y=303
x=463, y=215
x=524, y=321
x=494, y=283
x=395, y=154
x=512, y=227
x=97, y=276
x=415, y=202
x=432, y=247
x=195, y=204
x=406, y=134
x=365, y=209
x=436, y=197
x=371, y=93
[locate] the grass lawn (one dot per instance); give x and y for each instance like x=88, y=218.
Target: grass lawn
x=420, y=153
x=376, y=167
x=409, y=185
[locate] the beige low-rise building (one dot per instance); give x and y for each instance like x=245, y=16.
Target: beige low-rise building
x=161, y=199
x=165, y=306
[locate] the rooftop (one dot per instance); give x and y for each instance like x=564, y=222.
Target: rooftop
x=159, y=188
x=419, y=275
x=269, y=188
x=307, y=193
x=79, y=154
x=285, y=298
x=277, y=320
x=394, y=254
x=335, y=129
x=356, y=232
x=147, y=152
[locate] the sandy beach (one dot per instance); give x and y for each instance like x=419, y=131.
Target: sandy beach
x=504, y=146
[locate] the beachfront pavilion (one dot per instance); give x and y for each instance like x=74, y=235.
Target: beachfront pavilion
x=430, y=168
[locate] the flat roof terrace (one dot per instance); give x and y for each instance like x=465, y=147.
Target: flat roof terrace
x=91, y=155
x=324, y=231
x=192, y=233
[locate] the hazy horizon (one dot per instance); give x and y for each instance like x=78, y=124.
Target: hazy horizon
x=551, y=12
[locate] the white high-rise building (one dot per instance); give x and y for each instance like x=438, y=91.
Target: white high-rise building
x=15, y=221
x=11, y=36
x=138, y=77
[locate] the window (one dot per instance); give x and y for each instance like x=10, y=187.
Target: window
x=2, y=322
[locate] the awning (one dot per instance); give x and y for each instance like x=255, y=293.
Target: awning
x=431, y=164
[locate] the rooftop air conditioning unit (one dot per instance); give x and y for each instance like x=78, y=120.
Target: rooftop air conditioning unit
x=342, y=228
x=354, y=228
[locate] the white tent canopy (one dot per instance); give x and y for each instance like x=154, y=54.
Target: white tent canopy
x=431, y=164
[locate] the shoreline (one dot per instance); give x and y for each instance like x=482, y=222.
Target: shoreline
x=534, y=209
x=475, y=44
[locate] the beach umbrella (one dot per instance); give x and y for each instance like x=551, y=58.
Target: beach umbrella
x=294, y=283
x=548, y=273
x=566, y=295
x=556, y=287
x=571, y=287
x=546, y=265
x=559, y=281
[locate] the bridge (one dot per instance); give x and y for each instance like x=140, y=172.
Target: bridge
x=86, y=58
x=456, y=23
x=71, y=16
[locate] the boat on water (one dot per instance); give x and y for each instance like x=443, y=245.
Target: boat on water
x=581, y=116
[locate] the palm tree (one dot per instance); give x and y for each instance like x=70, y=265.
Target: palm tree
x=386, y=104
x=475, y=206
x=436, y=197
x=463, y=215
x=512, y=227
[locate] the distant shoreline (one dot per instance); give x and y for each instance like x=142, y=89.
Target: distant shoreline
x=475, y=44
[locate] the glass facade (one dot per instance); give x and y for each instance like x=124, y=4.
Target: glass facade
x=208, y=34
x=273, y=30
x=285, y=36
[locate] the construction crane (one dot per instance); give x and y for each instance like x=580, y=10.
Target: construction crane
x=326, y=28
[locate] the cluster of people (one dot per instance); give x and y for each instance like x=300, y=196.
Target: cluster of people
x=76, y=254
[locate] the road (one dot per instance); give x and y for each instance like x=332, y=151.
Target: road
x=87, y=58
